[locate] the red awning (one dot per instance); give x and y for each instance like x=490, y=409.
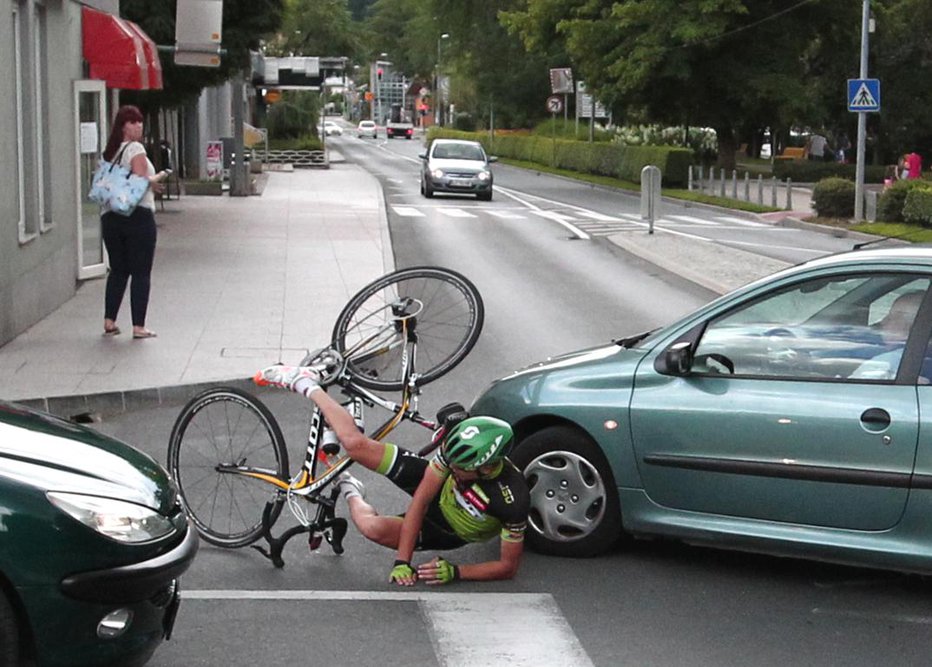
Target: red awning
x=119, y=52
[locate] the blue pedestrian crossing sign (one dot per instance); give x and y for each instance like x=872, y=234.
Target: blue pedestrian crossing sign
x=863, y=94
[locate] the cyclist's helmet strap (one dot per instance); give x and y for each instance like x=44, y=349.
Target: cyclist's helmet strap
x=476, y=442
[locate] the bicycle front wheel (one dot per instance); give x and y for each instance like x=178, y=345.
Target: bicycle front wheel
x=444, y=308
x=220, y=435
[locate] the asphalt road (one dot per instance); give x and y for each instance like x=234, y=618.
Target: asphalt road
x=646, y=603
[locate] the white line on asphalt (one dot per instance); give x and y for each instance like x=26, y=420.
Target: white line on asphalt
x=595, y=215
x=407, y=211
x=456, y=213
x=514, y=633
x=506, y=215
x=690, y=219
x=580, y=234
x=516, y=629
x=553, y=215
x=741, y=221
x=872, y=616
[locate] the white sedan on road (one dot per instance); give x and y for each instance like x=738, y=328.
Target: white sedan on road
x=330, y=129
x=367, y=128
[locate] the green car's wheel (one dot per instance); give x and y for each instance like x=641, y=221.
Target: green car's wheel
x=574, y=501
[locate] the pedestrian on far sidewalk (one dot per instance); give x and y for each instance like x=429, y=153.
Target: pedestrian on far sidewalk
x=130, y=240
x=914, y=164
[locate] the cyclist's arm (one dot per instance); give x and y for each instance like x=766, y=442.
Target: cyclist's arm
x=426, y=491
x=505, y=567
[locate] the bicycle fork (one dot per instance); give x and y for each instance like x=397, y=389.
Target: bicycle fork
x=324, y=526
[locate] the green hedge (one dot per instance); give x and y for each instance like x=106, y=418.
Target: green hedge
x=893, y=200
x=918, y=206
x=602, y=158
x=809, y=171
x=833, y=198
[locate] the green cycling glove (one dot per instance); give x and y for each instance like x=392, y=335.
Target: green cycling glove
x=402, y=570
x=447, y=572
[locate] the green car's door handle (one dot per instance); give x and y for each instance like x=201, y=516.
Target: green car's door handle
x=875, y=417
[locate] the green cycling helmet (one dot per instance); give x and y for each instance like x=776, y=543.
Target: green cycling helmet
x=476, y=442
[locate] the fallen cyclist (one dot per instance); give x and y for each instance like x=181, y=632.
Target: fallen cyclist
x=468, y=492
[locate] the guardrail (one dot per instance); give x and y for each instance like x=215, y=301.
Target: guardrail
x=297, y=158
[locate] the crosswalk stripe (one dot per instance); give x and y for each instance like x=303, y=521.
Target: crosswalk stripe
x=457, y=624
x=594, y=215
x=741, y=221
x=553, y=215
x=690, y=219
x=506, y=215
x=455, y=620
x=408, y=211
x=456, y=213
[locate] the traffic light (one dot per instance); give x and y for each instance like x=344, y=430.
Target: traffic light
x=379, y=73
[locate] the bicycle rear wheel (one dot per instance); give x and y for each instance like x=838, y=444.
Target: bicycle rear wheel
x=226, y=427
x=445, y=308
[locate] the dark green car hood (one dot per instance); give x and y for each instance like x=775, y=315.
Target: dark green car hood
x=51, y=454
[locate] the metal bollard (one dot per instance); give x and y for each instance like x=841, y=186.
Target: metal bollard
x=747, y=186
x=722, y=172
x=734, y=183
x=650, y=195
x=773, y=192
x=789, y=194
x=689, y=179
x=760, y=189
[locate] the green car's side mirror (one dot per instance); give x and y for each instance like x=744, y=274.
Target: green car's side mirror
x=676, y=359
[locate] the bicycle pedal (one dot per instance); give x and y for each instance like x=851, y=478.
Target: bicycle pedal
x=314, y=541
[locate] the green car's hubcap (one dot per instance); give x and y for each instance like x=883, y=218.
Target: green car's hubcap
x=568, y=496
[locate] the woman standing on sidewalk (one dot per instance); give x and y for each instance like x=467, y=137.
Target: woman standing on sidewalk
x=130, y=240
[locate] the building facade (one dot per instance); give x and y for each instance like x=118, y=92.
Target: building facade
x=64, y=61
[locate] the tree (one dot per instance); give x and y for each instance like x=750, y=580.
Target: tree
x=316, y=28
x=723, y=64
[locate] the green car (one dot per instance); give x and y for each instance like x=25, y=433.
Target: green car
x=792, y=416
x=92, y=541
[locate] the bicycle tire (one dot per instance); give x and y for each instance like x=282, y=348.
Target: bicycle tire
x=448, y=326
x=226, y=426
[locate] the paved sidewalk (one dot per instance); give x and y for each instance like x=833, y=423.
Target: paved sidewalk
x=238, y=283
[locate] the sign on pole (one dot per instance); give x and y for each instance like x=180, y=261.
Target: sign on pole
x=554, y=104
x=561, y=80
x=198, y=25
x=863, y=95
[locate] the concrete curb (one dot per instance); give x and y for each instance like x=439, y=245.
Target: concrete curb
x=86, y=407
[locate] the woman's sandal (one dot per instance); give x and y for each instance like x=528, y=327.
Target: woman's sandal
x=115, y=331
x=144, y=334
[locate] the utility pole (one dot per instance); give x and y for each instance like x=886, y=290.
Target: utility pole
x=862, y=119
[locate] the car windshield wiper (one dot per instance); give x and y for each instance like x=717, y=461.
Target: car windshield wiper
x=631, y=341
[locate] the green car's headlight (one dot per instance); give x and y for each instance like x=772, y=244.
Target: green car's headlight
x=483, y=175
x=116, y=519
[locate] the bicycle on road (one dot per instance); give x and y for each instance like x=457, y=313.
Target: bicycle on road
x=227, y=453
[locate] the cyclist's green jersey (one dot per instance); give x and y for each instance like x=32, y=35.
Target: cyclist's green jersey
x=486, y=507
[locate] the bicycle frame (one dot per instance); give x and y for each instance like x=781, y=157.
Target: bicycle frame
x=310, y=485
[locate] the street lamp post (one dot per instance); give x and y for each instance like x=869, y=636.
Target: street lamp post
x=438, y=102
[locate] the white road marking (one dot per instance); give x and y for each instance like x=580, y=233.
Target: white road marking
x=741, y=221
x=690, y=219
x=408, y=211
x=577, y=232
x=872, y=616
x=516, y=629
x=553, y=215
x=595, y=215
x=456, y=213
x=507, y=215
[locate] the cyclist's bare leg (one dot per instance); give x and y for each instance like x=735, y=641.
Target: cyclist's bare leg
x=361, y=448
x=384, y=530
